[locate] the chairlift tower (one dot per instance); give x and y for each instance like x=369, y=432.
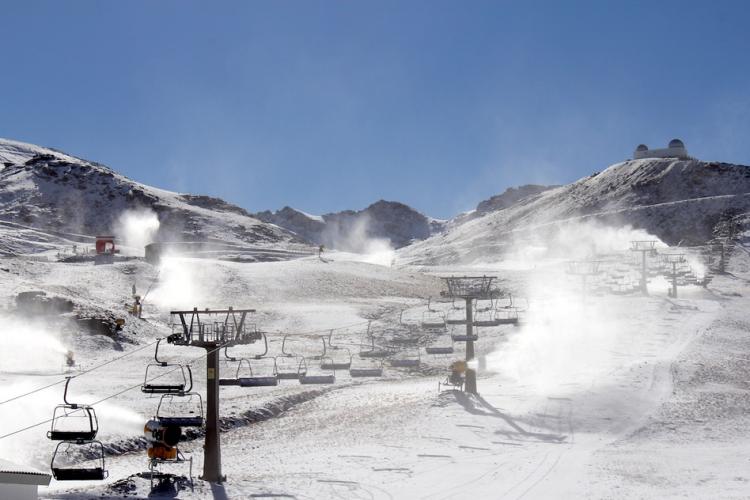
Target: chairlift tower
x=674, y=259
x=584, y=269
x=212, y=329
x=647, y=247
x=469, y=288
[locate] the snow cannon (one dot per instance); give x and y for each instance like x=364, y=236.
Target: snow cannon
x=162, y=440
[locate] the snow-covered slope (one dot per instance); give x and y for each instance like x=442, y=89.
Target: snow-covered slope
x=675, y=200
x=51, y=193
x=398, y=223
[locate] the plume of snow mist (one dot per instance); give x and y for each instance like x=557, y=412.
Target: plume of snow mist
x=185, y=283
x=136, y=229
x=30, y=346
x=570, y=339
x=356, y=237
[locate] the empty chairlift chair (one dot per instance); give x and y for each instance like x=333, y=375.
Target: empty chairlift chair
x=367, y=368
x=180, y=410
x=288, y=362
x=407, y=360
x=485, y=316
x=308, y=378
x=339, y=357
x=442, y=345
x=456, y=315
x=268, y=377
x=432, y=318
x=463, y=337
x=78, y=461
x=77, y=456
x=370, y=350
x=166, y=378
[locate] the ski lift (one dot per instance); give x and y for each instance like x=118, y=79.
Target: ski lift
x=316, y=379
x=369, y=368
x=463, y=337
x=456, y=315
x=89, y=465
x=288, y=363
x=503, y=305
x=372, y=351
x=409, y=361
x=484, y=316
x=180, y=382
x=180, y=410
x=432, y=318
x=255, y=380
x=342, y=362
x=72, y=421
x=507, y=317
x=440, y=348
x=229, y=359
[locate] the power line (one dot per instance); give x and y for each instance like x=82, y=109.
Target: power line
x=24, y=429
x=39, y=389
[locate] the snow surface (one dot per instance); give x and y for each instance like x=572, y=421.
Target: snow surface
x=602, y=397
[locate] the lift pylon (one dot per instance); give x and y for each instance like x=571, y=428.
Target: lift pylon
x=212, y=329
x=470, y=288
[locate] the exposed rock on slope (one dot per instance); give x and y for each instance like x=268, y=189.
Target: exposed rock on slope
x=676, y=200
x=50, y=191
x=393, y=221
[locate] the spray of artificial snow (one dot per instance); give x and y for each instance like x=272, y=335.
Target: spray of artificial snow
x=356, y=239
x=567, y=338
x=136, y=229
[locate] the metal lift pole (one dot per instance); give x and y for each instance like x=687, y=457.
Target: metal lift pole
x=212, y=447
x=471, y=374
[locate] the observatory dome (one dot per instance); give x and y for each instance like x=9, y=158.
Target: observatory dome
x=676, y=143
x=642, y=147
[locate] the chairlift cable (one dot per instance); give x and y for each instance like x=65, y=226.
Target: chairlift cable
x=38, y=389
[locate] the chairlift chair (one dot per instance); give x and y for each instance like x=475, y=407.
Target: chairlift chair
x=315, y=379
x=373, y=351
x=189, y=418
x=456, y=315
x=432, y=318
x=67, y=472
x=372, y=369
x=180, y=383
x=342, y=362
x=412, y=361
x=463, y=337
x=339, y=363
x=72, y=421
x=438, y=348
x=254, y=380
x=508, y=317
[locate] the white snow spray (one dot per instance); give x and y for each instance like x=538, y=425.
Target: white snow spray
x=567, y=338
x=136, y=229
x=30, y=346
x=356, y=238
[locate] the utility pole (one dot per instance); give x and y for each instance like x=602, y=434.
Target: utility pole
x=212, y=336
x=644, y=247
x=470, y=288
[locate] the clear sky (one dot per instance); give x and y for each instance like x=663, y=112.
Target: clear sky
x=332, y=105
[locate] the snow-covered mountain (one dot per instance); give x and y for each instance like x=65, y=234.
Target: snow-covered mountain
x=679, y=201
x=398, y=223
x=48, y=193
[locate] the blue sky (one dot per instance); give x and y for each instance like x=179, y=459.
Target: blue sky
x=332, y=105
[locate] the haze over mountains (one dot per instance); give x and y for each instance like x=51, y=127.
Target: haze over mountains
x=679, y=201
